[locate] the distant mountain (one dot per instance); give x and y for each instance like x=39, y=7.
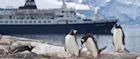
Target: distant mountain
x=126, y=11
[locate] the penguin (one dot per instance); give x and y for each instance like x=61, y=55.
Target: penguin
x=91, y=45
x=71, y=44
x=22, y=49
x=119, y=39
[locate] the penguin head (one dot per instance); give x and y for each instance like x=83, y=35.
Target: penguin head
x=73, y=32
x=117, y=26
x=85, y=38
x=30, y=47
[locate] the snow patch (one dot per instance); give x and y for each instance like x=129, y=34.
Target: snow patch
x=108, y=1
x=41, y=48
x=128, y=3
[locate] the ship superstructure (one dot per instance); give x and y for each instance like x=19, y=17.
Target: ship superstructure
x=30, y=20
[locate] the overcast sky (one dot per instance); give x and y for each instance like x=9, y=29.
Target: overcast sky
x=41, y=4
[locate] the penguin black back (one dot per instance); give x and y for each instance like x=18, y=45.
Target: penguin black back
x=22, y=48
x=86, y=38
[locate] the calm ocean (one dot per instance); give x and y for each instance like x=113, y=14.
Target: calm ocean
x=132, y=39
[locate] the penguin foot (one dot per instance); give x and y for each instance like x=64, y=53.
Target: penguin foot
x=93, y=57
x=119, y=51
x=126, y=50
x=75, y=57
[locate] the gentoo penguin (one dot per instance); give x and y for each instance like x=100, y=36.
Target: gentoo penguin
x=71, y=44
x=22, y=49
x=119, y=39
x=91, y=45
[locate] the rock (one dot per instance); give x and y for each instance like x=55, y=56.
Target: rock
x=137, y=57
x=44, y=50
x=4, y=48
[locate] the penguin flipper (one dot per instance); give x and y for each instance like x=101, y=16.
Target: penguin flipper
x=126, y=50
x=113, y=42
x=65, y=48
x=80, y=50
x=100, y=50
x=123, y=39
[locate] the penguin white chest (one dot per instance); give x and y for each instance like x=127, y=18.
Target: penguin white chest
x=71, y=45
x=118, y=39
x=91, y=47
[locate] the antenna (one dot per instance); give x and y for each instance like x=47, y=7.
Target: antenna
x=94, y=11
x=64, y=6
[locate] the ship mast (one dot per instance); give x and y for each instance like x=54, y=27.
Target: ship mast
x=64, y=6
x=95, y=11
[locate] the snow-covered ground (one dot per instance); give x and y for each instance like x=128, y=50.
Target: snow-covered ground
x=40, y=47
x=53, y=51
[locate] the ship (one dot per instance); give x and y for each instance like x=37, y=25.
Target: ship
x=28, y=19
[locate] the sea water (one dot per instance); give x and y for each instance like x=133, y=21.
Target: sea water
x=132, y=39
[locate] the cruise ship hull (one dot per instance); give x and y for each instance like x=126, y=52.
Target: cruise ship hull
x=101, y=28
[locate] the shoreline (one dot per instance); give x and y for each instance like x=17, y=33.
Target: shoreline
x=44, y=50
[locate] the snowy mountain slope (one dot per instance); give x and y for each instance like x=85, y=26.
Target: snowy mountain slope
x=115, y=8
x=127, y=11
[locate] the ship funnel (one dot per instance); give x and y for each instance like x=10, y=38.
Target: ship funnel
x=64, y=6
x=29, y=4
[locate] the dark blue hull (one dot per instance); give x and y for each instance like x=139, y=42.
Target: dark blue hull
x=94, y=28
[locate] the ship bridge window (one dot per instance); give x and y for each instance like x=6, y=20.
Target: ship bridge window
x=72, y=21
x=1, y=21
x=48, y=14
x=21, y=21
x=10, y=17
x=44, y=22
x=62, y=11
x=39, y=21
x=71, y=11
x=79, y=18
x=60, y=16
x=52, y=18
x=6, y=21
x=32, y=17
x=34, y=21
x=21, y=18
x=49, y=21
x=28, y=18
x=0, y=17
x=16, y=21
x=30, y=21
x=25, y=21
x=11, y=21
